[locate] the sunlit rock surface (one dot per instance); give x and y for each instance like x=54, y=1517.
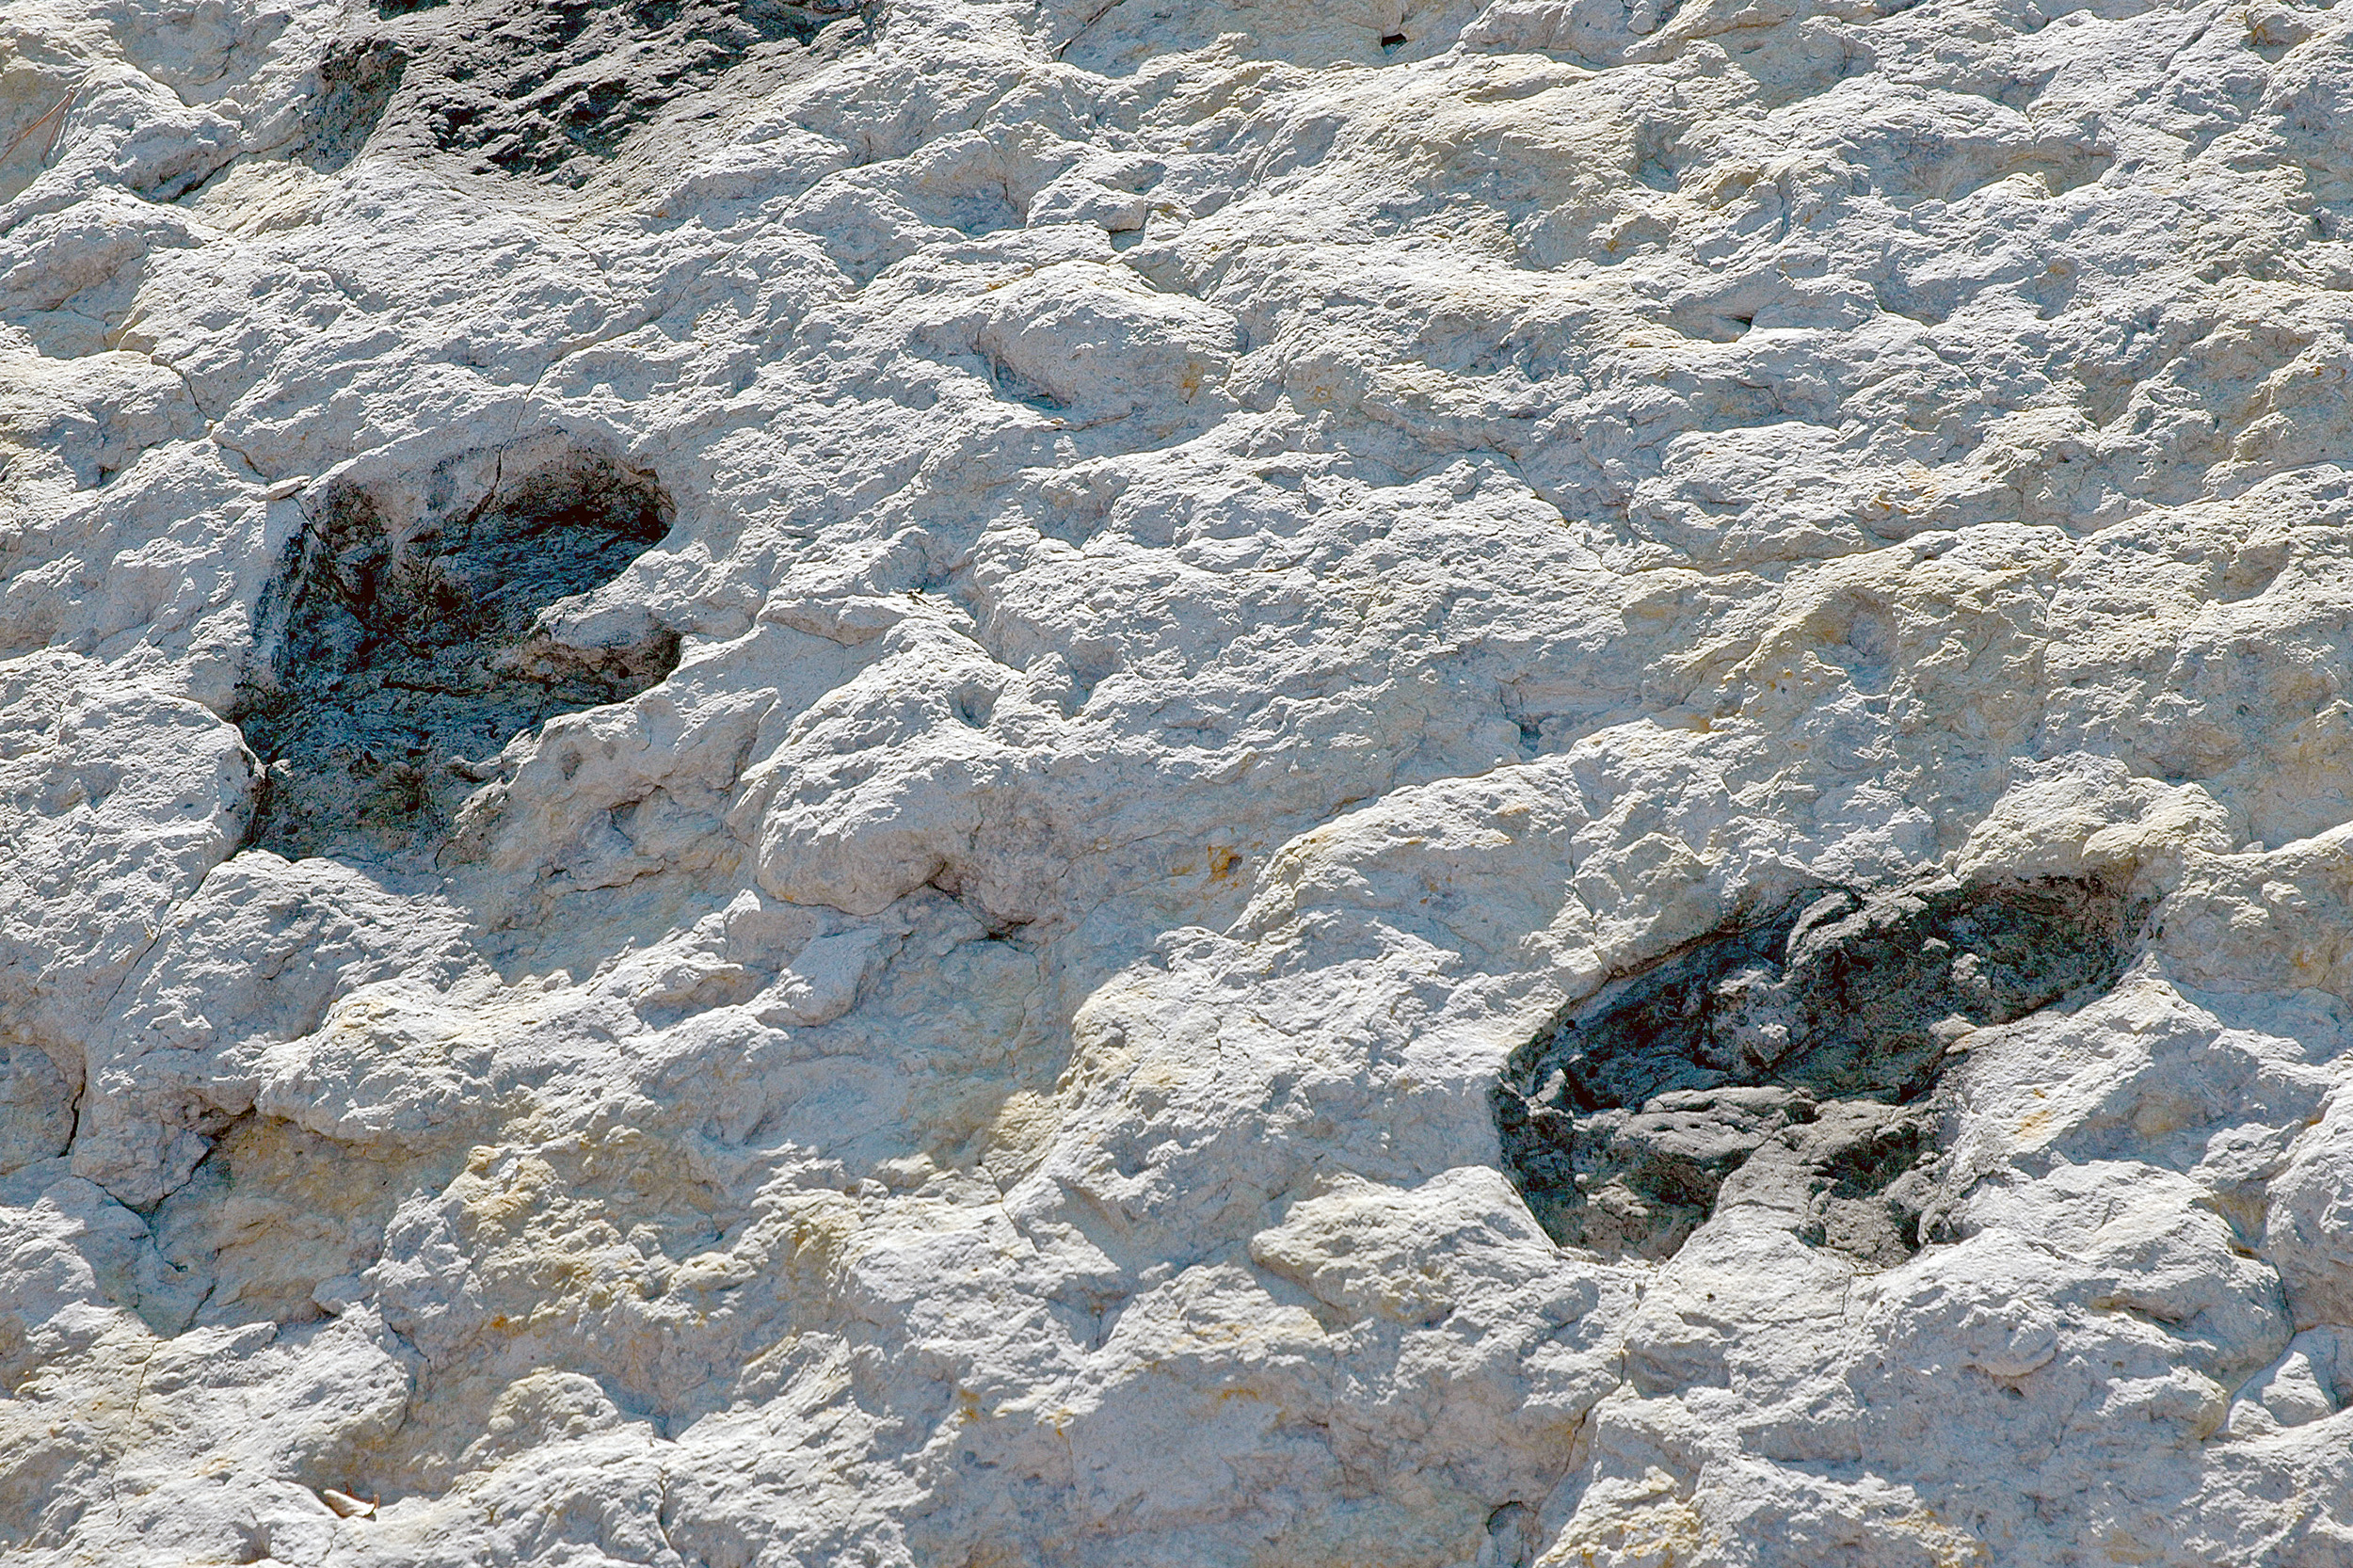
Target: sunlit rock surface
x=795, y=786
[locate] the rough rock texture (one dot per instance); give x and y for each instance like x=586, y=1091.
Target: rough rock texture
x=787, y=785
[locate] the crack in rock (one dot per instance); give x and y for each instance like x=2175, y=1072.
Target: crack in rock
x=1788, y=1058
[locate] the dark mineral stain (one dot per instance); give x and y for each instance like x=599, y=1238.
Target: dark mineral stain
x=550, y=88
x=1790, y=1053
x=412, y=655
x=357, y=80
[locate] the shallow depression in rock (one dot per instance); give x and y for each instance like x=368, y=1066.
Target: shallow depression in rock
x=550, y=88
x=411, y=654
x=1792, y=1051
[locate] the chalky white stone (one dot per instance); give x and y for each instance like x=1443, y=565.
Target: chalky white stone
x=1228, y=563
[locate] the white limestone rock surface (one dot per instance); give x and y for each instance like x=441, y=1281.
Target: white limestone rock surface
x=779, y=783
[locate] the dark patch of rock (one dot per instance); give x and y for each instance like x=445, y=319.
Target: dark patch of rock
x=411, y=654
x=357, y=80
x=550, y=88
x=1785, y=1058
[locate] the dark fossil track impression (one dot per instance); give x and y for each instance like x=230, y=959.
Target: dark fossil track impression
x=412, y=654
x=1794, y=1047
